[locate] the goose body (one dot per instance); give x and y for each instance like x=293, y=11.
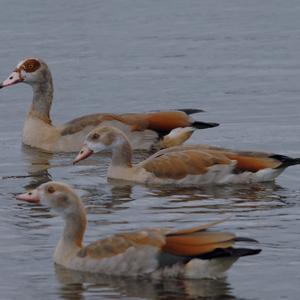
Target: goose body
x=190, y=165
x=158, y=252
x=143, y=129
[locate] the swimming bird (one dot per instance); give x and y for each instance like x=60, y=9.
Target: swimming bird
x=143, y=129
x=186, y=165
x=158, y=252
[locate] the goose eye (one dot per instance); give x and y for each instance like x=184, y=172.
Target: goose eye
x=95, y=136
x=31, y=65
x=28, y=68
x=50, y=189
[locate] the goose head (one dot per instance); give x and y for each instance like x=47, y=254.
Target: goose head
x=102, y=138
x=56, y=195
x=32, y=71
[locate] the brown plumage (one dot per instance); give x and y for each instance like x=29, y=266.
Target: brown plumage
x=178, y=165
x=251, y=161
x=162, y=122
x=188, y=165
x=120, y=243
x=194, y=252
x=144, y=129
x=187, y=244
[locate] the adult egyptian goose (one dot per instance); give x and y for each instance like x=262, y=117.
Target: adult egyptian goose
x=191, y=165
x=159, y=252
x=143, y=129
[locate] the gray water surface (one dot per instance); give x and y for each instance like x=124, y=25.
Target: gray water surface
x=238, y=60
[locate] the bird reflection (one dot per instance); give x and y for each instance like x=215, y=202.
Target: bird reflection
x=244, y=192
x=38, y=164
x=77, y=285
x=251, y=196
x=269, y=191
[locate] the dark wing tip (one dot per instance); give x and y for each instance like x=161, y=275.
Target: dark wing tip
x=190, y=111
x=245, y=239
x=286, y=161
x=229, y=252
x=203, y=125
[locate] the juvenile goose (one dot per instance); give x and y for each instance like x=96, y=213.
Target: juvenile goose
x=158, y=252
x=184, y=165
x=143, y=129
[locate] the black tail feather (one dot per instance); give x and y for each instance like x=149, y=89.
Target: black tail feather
x=245, y=239
x=286, y=161
x=229, y=252
x=190, y=111
x=167, y=259
x=203, y=125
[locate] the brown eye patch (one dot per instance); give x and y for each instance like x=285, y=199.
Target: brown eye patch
x=95, y=136
x=31, y=65
x=51, y=189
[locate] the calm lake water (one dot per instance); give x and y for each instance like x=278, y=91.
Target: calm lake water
x=238, y=60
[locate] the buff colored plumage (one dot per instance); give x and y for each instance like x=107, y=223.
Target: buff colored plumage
x=158, y=252
x=144, y=130
x=191, y=165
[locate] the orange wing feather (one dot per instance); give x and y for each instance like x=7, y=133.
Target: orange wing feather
x=186, y=242
x=197, y=241
x=160, y=121
x=177, y=165
x=197, y=244
x=168, y=120
x=252, y=161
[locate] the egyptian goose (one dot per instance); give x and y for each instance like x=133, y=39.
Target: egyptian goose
x=143, y=129
x=191, y=165
x=158, y=252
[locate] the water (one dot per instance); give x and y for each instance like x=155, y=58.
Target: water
x=239, y=60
